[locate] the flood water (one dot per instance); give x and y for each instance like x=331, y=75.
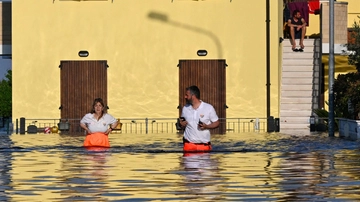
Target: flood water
x=152, y=167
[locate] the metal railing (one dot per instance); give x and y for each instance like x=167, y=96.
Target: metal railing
x=146, y=125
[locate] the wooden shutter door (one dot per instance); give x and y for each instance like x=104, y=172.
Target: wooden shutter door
x=81, y=83
x=210, y=77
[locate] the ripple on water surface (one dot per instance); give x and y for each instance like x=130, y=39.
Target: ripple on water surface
x=151, y=167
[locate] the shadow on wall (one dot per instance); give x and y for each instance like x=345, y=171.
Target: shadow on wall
x=164, y=18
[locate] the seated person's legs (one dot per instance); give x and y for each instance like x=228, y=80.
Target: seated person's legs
x=303, y=32
x=292, y=34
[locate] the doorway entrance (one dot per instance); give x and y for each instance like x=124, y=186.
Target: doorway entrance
x=80, y=83
x=210, y=77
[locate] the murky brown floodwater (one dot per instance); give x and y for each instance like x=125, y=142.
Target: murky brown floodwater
x=138, y=167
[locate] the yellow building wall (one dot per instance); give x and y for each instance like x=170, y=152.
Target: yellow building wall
x=143, y=52
x=314, y=25
x=353, y=11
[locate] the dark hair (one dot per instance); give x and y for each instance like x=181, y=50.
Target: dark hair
x=194, y=90
x=102, y=104
x=295, y=12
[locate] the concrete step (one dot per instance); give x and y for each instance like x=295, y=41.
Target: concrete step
x=305, y=100
x=295, y=113
x=296, y=99
x=298, y=55
x=298, y=62
x=291, y=87
x=300, y=74
x=297, y=94
x=286, y=125
x=300, y=81
x=296, y=119
x=297, y=106
x=305, y=74
x=307, y=42
x=308, y=49
x=298, y=68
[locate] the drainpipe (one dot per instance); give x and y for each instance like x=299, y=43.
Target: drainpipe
x=270, y=120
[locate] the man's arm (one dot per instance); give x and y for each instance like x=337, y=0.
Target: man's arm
x=303, y=22
x=212, y=125
x=289, y=23
x=297, y=26
x=212, y=116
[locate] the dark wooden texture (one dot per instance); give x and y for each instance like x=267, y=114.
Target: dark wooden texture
x=5, y=11
x=81, y=83
x=210, y=77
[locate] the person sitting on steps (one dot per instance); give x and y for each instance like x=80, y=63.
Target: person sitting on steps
x=297, y=26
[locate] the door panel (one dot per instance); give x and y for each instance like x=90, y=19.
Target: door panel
x=210, y=77
x=81, y=83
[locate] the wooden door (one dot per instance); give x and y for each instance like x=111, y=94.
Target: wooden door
x=81, y=83
x=210, y=77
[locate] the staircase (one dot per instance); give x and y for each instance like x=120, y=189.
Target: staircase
x=299, y=86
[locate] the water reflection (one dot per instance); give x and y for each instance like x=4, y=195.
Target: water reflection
x=85, y=175
x=301, y=174
x=5, y=178
x=5, y=166
x=319, y=176
x=259, y=167
x=201, y=176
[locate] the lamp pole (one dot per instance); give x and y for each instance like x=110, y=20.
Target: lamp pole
x=331, y=68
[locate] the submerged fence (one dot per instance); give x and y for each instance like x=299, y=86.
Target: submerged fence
x=134, y=125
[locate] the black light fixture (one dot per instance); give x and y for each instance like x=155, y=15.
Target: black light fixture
x=83, y=53
x=202, y=52
x=281, y=39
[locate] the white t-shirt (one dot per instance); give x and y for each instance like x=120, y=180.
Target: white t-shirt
x=206, y=114
x=100, y=125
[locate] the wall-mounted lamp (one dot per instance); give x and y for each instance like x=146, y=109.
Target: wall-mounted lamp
x=83, y=53
x=201, y=52
x=281, y=40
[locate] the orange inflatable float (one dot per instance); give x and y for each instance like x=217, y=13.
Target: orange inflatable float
x=194, y=147
x=96, y=140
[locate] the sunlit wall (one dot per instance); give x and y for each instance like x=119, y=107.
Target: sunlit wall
x=143, y=51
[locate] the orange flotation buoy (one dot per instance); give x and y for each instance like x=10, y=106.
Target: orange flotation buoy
x=96, y=140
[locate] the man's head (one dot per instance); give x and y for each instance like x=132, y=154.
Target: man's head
x=192, y=91
x=297, y=14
